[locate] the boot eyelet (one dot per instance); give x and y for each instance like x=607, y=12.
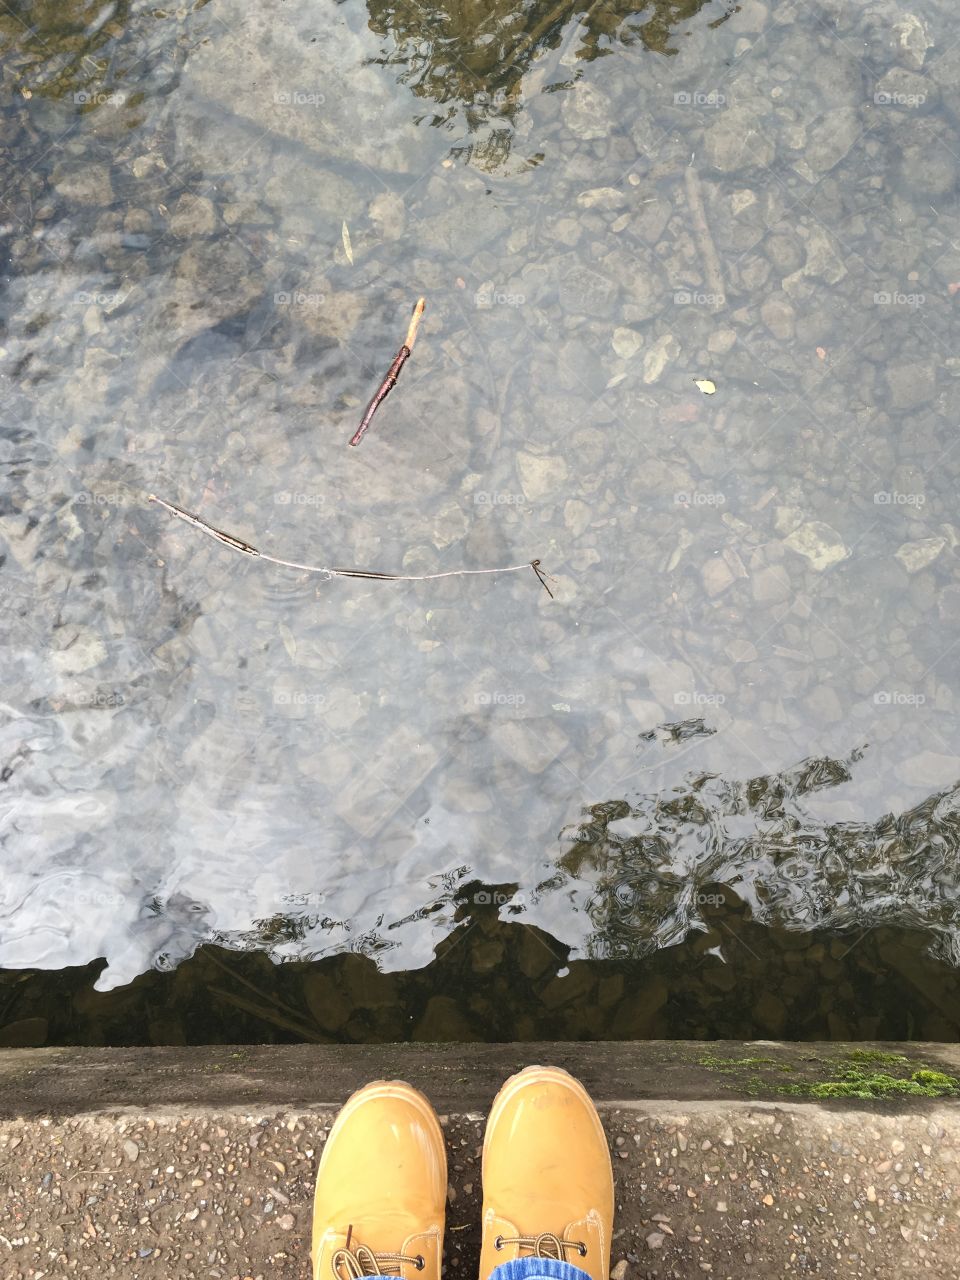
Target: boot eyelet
x=421, y=1262
x=583, y=1250
x=498, y=1243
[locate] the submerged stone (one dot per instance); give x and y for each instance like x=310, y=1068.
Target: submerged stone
x=915, y=556
x=819, y=544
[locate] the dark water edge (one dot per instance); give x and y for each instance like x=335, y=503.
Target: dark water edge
x=495, y=980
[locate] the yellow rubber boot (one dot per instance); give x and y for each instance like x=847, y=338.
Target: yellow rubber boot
x=381, y=1188
x=547, y=1175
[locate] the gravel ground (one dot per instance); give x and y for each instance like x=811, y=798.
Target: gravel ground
x=702, y=1189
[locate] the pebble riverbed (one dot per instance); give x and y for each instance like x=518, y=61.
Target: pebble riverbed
x=689, y=339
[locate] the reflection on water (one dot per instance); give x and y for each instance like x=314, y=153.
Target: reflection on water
x=652, y=862
x=90, y=54
x=495, y=979
x=691, y=273
x=477, y=66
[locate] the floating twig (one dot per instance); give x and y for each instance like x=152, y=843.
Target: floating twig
x=393, y=373
x=535, y=566
x=239, y=545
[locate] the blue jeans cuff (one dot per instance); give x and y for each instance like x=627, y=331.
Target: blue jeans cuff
x=537, y=1269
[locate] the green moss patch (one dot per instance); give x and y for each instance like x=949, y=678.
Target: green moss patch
x=716, y=1063
x=857, y=1073
x=876, y=1055
x=858, y=1082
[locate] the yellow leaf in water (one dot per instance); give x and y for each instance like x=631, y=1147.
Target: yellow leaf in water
x=289, y=643
x=705, y=385
x=347, y=247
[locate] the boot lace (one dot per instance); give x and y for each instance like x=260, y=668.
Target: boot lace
x=351, y=1264
x=546, y=1245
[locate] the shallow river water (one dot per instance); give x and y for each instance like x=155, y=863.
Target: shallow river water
x=690, y=340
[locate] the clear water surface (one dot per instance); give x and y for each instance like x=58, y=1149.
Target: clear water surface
x=690, y=339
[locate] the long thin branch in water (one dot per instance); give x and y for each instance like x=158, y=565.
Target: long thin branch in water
x=245, y=547
x=393, y=373
x=703, y=238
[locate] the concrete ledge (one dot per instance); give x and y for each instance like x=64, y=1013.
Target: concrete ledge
x=457, y=1077
x=188, y=1163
